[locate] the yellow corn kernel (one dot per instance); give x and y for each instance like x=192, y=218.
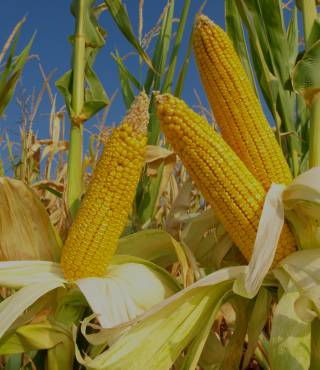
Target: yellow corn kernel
x=102, y=216
x=235, y=105
x=233, y=192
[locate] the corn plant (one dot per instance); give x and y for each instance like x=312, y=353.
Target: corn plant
x=229, y=279
x=66, y=305
x=82, y=102
x=159, y=76
x=12, y=68
x=180, y=327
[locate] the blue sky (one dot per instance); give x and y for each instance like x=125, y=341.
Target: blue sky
x=54, y=23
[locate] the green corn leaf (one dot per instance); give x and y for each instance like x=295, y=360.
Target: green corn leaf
x=191, y=360
x=125, y=78
x=234, y=349
x=314, y=33
x=122, y=20
x=157, y=342
x=293, y=38
x=299, y=3
x=185, y=65
x=302, y=206
x=165, y=46
x=257, y=321
x=275, y=33
x=31, y=337
x=290, y=336
x=149, y=186
x=266, y=79
x=125, y=71
x=64, y=85
x=93, y=32
x=315, y=343
x=148, y=193
x=297, y=272
x=167, y=83
x=9, y=65
x=95, y=97
x=45, y=335
x=57, y=193
x=305, y=79
x=184, y=69
x=16, y=304
x=61, y=356
x=126, y=89
x=11, y=74
x=160, y=55
x=303, y=128
x=157, y=246
x=152, y=245
x=148, y=200
x=13, y=362
x=302, y=115
x=159, y=271
x=236, y=34
x=213, y=353
x=70, y=307
x=270, y=56
x=159, y=336
x=208, y=248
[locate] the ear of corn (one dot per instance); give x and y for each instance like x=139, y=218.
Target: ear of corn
x=93, y=237
x=228, y=186
x=235, y=105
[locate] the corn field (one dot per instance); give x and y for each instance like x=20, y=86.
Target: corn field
x=185, y=235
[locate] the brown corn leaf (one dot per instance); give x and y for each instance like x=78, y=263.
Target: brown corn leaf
x=155, y=157
x=180, y=207
x=25, y=229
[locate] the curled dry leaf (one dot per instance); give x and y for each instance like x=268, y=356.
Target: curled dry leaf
x=156, y=157
x=25, y=229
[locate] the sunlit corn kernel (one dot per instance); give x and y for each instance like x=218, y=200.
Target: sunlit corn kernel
x=221, y=176
x=235, y=105
x=103, y=213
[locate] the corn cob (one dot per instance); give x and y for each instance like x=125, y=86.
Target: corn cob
x=235, y=105
x=234, y=193
x=93, y=237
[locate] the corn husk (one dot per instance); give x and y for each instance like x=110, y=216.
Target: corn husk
x=268, y=235
x=156, y=338
x=301, y=201
x=290, y=341
x=128, y=290
x=26, y=232
x=114, y=299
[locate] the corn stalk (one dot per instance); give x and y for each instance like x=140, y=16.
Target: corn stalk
x=75, y=149
x=82, y=102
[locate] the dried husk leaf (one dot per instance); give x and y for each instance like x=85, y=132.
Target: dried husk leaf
x=25, y=229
